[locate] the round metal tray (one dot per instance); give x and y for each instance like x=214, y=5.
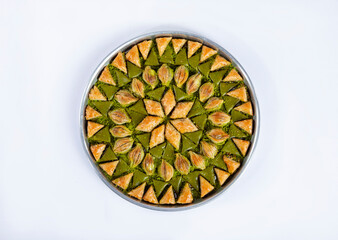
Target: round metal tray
x=223, y=52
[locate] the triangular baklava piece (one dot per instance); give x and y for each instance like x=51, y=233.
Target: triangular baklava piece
x=207, y=53
x=246, y=125
x=95, y=94
x=178, y=44
x=205, y=186
x=109, y=167
x=233, y=76
x=162, y=44
x=120, y=63
x=93, y=127
x=106, y=77
x=245, y=107
x=232, y=165
x=243, y=145
x=133, y=56
x=168, y=197
x=239, y=93
x=138, y=192
x=91, y=113
x=186, y=195
x=123, y=182
x=193, y=47
x=150, y=196
x=219, y=63
x=97, y=150
x=144, y=48
x=221, y=175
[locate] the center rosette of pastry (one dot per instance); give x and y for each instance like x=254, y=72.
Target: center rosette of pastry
x=166, y=119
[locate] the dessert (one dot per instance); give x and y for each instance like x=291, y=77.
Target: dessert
x=169, y=121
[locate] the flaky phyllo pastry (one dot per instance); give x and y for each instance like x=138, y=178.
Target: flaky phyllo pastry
x=169, y=121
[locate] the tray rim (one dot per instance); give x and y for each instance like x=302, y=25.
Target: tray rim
x=188, y=36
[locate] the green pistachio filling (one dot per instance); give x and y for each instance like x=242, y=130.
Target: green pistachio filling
x=150, y=136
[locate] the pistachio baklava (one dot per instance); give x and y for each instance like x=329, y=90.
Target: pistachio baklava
x=169, y=121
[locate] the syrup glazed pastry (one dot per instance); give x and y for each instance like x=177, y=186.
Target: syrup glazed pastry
x=169, y=121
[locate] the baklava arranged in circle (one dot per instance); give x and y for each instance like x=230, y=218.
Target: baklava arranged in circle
x=169, y=121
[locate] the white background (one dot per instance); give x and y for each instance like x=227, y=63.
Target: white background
x=48, y=50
